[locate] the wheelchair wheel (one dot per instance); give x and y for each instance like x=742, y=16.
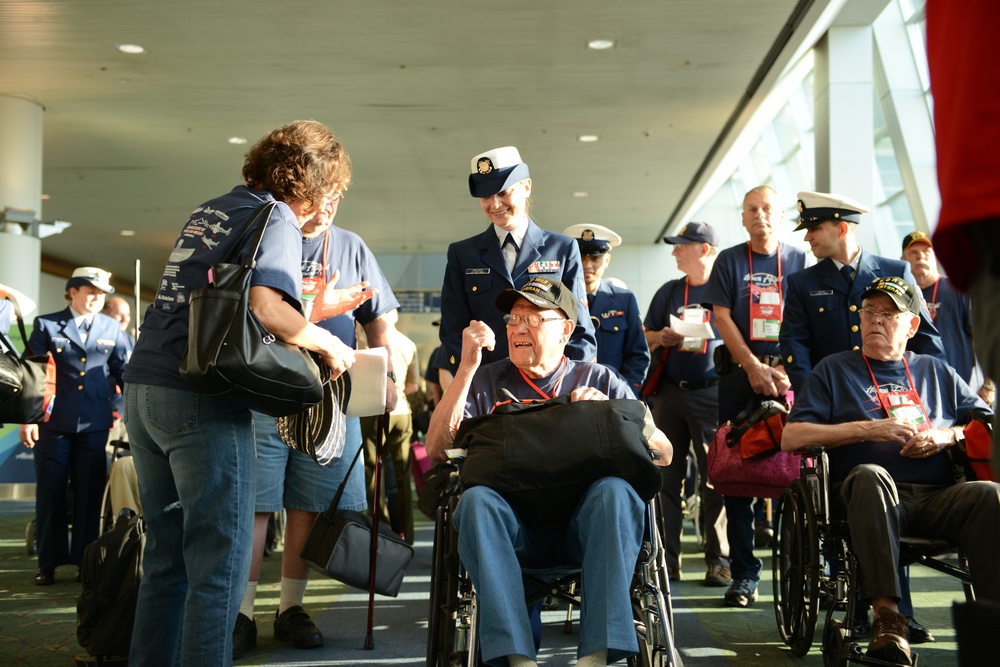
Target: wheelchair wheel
x=651, y=607
x=795, y=564
x=445, y=646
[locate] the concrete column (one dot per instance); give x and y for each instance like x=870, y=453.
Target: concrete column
x=845, y=134
x=20, y=189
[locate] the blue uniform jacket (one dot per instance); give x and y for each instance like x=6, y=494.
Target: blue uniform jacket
x=621, y=343
x=821, y=318
x=86, y=373
x=476, y=273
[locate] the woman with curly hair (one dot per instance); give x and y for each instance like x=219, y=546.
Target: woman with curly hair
x=194, y=453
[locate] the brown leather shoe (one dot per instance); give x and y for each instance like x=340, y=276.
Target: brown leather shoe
x=890, y=637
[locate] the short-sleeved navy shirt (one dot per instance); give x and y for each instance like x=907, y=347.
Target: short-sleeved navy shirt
x=504, y=374
x=213, y=229
x=669, y=300
x=348, y=253
x=840, y=390
x=729, y=284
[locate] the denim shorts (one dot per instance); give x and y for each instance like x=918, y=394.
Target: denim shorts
x=287, y=478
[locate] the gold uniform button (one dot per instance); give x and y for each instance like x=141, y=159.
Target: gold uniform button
x=854, y=309
x=83, y=360
x=855, y=348
x=616, y=328
x=474, y=288
x=79, y=387
x=821, y=309
x=58, y=350
x=83, y=373
x=789, y=358
x=854, y=328
x=452, y=359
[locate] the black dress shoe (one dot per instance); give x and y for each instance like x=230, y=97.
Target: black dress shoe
x=918, y=633
x=45, y=577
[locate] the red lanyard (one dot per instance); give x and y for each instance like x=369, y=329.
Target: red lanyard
x=555, y=387
x=934, y=300
x=878, y=394
x=750, y=259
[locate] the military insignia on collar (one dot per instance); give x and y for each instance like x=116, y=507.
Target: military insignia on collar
x=545, y=266
x=587, y=235
x=485, y=165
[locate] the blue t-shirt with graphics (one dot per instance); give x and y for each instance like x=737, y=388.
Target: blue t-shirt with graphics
x=503, y=374
x=840, y=390
x=729, y=284
x=347, y=253
x=213, y=229
x=669, y=300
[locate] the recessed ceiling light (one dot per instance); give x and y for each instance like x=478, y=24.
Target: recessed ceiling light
x=45, y=197
x=588, y=138
x=131, y=48
x=237, y=140
x=581, y=194
x=127, y=232
x=601, y=44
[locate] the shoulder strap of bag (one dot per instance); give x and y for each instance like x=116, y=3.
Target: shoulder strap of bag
x=343, y=485
x=263, y=212
x=20, y=328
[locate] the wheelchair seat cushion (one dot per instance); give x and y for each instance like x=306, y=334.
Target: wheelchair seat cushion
x=542, y=456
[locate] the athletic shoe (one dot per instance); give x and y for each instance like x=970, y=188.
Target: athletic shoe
x=741, y=593
x=295, y=627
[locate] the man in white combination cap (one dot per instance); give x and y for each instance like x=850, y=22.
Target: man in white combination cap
x=621, y=344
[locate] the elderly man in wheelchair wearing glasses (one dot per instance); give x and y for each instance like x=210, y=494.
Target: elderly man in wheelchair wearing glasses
x=602, y=536
x=891, y=420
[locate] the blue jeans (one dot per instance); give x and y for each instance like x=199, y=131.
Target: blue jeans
x=195, y=460
x=602, y=537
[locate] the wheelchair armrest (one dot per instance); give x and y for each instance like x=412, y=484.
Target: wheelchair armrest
x=812, y=450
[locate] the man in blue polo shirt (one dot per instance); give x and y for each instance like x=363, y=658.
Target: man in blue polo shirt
x=890, y=418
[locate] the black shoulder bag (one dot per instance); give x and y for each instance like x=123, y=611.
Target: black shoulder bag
x=230, y=353
x=543, y=456
x=27, y=384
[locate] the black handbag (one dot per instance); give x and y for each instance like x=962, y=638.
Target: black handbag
x=28, y=382
x=230, y=353
x=543, y=456
x=340, y=546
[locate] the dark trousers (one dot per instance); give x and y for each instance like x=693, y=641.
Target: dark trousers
x=689, y=419
x=397, y=444
x=62, y=459
x=879, y=511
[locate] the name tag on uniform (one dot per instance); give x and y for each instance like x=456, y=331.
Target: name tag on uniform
x=476, y=272
x=545, y=266
x=822, y=292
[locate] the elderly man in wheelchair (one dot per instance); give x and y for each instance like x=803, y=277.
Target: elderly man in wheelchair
x=602, y=536
x=890, y=421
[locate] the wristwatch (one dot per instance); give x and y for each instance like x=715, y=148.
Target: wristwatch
x=391, y=376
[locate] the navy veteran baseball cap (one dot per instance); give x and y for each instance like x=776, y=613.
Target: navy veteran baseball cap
x=90, y=275
x=916, y=237
x=694, y=232
x=594, y=240
x=496, y=170
x=817, y=207
x=903, y=294
x=543, y=293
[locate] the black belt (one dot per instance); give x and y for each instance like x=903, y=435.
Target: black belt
x=691, y=385
x=771, y=360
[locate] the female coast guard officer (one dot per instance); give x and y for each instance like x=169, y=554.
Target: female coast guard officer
x=509, y=253
x=89, y=352
x=621, y=343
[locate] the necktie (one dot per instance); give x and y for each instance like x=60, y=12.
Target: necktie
x=590, y=301
x=84, y=326
x=848, y=274
x=510, y=252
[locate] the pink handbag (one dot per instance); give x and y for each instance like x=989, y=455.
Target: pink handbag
x=732, y=475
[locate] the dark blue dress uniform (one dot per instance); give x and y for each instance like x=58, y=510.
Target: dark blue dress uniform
x=477, y=273
x=821, y=314
x=621, y=343
x=71, y=443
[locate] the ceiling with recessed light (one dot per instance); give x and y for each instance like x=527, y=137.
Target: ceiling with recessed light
x=414, y=90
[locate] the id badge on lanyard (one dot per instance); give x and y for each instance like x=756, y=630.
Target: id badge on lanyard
x=313, y=286
x=697, y=315
x=765, y=315
x=905, y=405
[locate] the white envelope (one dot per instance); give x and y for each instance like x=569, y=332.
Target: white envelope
x=368, y=379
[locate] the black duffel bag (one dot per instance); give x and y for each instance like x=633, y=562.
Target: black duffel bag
x=543, y=456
